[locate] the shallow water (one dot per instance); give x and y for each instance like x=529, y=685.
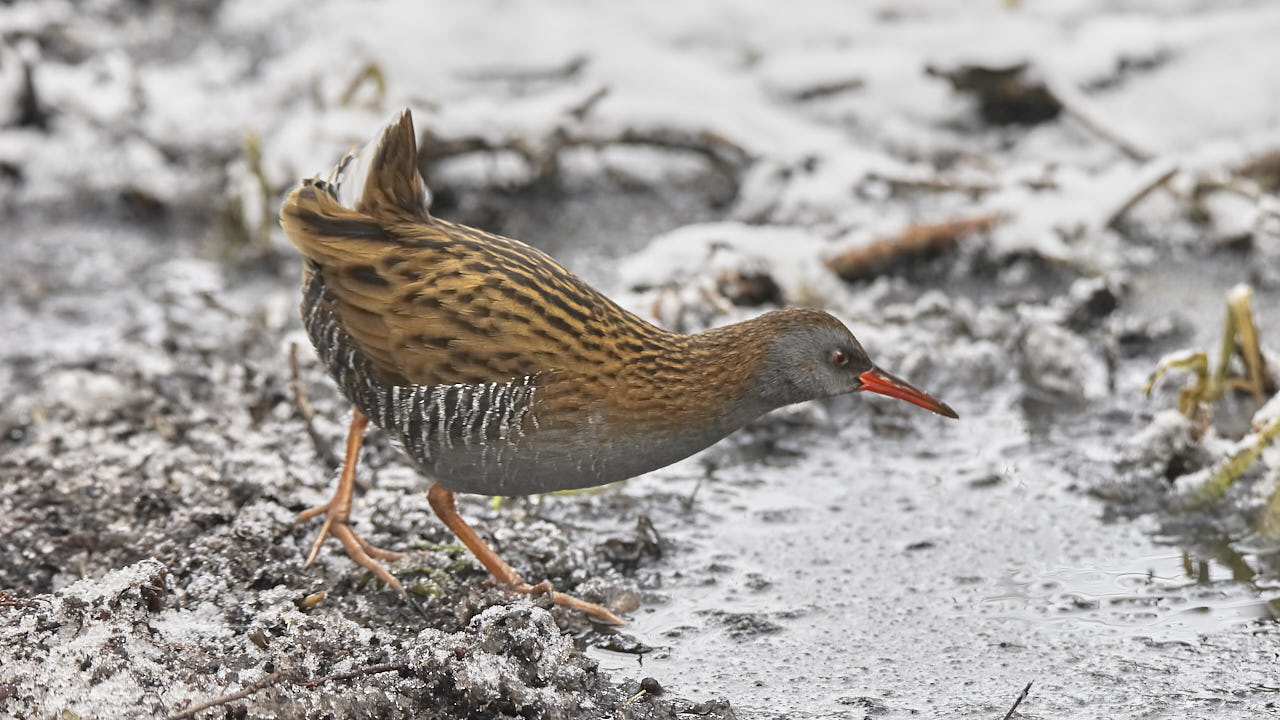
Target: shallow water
x=820, y=581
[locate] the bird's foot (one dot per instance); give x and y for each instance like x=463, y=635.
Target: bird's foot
x=336, y=523
x=442, y=502
x=598, y=612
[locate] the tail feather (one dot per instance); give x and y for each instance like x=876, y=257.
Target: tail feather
x=378, y=183
x=384, y=173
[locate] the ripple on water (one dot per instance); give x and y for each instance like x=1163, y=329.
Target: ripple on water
x=1168, y=597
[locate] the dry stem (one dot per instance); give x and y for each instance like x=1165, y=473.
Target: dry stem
x=300, y=399
x=1021, y=696
x=1140, y=193
x=914, y=241
x=280, y=675
x=1075, y=104
x=252, y=688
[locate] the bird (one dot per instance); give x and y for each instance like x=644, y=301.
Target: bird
x=498, y=372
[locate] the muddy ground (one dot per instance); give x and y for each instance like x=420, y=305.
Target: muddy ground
x=1067, y=191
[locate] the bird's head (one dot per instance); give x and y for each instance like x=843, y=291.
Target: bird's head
x=811, y=355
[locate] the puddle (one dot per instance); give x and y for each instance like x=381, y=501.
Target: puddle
x=1166, y=597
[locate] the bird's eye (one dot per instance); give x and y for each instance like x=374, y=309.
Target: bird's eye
x=839, y=358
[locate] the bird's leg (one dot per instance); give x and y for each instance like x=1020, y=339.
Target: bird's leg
x=442, y=502
x=337, y=513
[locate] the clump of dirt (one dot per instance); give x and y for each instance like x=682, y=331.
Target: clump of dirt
x=128, y=642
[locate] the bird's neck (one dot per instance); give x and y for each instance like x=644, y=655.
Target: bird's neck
x=707, y=379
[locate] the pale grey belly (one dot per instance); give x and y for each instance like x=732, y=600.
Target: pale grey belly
x=550, y=460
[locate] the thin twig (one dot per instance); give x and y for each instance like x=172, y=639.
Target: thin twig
x=299, y=393
x=819, y=90
x=1022, y=696
x=371, y=72
x=542, y=157
x=580, y=109
x=566, y=70
x=688, y=502
x=265, y=682
x=370, y=670
x=276, y=676
x=323, y=451
x=1141, y=192
x=9, y=600
x=1075, y=104
x=214, y=304
x=899, y=184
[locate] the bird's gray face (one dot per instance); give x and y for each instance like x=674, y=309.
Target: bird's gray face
x=818, y=361
x=811, y=362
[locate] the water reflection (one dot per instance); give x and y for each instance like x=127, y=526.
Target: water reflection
x=1175, y=596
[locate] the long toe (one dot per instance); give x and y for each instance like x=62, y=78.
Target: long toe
x=355, y=546
x=374, y=551
x=309, y=513
x=334, y=513
x=366, y=554
x=598, y=612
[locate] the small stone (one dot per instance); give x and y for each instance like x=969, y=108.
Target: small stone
x=651, y=686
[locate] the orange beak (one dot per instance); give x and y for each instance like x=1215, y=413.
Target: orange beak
x=878, y=381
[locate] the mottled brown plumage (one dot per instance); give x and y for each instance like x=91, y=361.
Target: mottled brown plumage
x=500, y=372
x=431, y=302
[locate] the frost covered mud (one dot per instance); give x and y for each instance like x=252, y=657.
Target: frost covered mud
x=1022, y=210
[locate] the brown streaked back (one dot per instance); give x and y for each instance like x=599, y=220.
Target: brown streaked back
x=430, y=302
